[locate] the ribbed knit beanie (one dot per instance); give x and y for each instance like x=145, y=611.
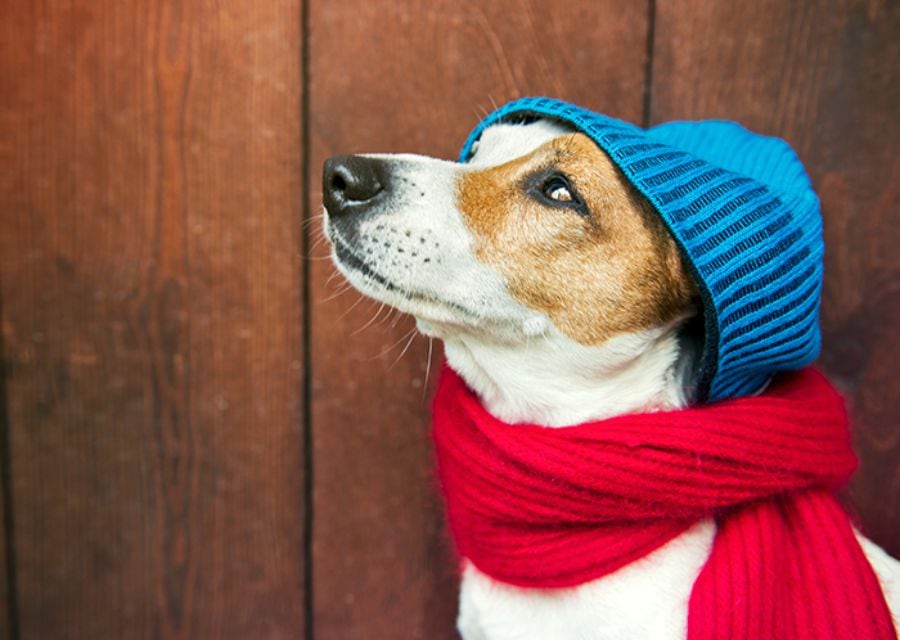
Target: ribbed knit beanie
x=744, y=215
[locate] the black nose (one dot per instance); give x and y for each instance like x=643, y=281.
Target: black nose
x=349, y=181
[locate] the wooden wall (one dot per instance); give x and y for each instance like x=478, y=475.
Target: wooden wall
x=201, y=436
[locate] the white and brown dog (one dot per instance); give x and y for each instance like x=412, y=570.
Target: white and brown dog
x=560, y=298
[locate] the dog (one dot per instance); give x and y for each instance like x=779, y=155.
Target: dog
x=560, y=298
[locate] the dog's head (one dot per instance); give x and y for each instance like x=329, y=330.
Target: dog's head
x=538, y=232
x=586, y=227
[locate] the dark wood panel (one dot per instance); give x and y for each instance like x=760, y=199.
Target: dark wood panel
x=8, y=607
x=152, y=316
x=415, y=77
x=823, y=75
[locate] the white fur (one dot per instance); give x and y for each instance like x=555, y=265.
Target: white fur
x=525, y=370
x=645, y=599
x=629, y=373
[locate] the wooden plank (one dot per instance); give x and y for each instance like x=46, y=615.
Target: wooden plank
x=415, y=77
x=8, y=605
x=823, y=75
x=151, y=281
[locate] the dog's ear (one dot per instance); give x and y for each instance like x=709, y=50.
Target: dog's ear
x=680, y=274
x=683, y=294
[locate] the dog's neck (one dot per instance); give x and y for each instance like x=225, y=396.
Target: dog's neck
x=555, y=382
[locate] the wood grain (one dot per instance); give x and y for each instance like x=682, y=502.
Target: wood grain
x=415, y=77
x=823, y=75
x=8, y=606
x=150, y=280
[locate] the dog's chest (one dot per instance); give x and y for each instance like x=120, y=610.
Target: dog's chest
x=646, y=599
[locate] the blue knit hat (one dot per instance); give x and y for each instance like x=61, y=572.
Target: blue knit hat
x=745, y=217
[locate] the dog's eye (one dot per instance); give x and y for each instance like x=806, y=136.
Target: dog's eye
x=556, y=188
x=553, y=189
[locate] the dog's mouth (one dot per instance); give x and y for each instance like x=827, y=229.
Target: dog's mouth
x=353, y=263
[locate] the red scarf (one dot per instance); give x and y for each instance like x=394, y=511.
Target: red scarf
x=541, y=507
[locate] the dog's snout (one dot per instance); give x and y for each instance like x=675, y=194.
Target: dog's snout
x=351, y=180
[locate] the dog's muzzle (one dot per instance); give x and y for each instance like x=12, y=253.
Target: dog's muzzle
x=352, y=183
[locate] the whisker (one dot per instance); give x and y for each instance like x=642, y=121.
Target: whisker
x=405, y=349
x=387, y=350
x=371, y=320
x=334, y=274
x=322, y=239
x=312, y=220
x=341, y=291
x=397, y=319
x=352, y=307
x=428, y=366
x=391, y=311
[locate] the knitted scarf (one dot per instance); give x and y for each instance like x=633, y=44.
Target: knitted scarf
x=540, y=507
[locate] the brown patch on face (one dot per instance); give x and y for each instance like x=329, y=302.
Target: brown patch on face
x=611, y=269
